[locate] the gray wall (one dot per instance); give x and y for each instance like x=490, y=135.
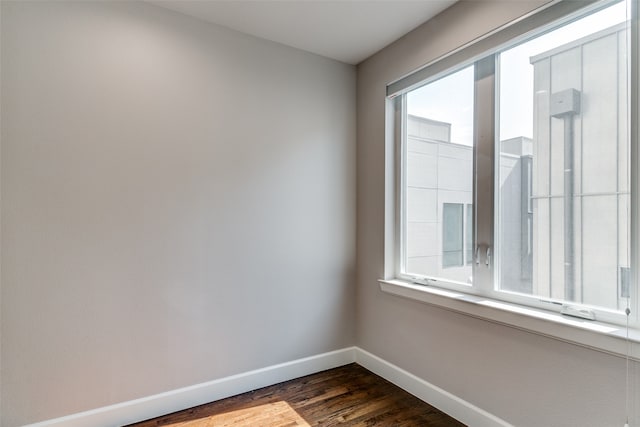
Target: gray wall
x=526, y=379
x=159, y=179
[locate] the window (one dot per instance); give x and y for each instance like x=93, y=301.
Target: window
x=515, y=165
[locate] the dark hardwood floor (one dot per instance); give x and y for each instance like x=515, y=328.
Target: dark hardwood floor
x=345, y=396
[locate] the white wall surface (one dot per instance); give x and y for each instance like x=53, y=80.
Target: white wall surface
x=178, y=205
x=525, y=379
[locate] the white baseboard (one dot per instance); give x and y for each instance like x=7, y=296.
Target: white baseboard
x=452, y=405
x=188, y=397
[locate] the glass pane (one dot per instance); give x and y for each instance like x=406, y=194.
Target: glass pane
x=563, y=228
x=452, y=234
x=438, y=172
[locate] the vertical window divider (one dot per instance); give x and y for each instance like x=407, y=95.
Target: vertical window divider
x=634, y=132
x=484, y=171
x=401, y=214
x=394, y=183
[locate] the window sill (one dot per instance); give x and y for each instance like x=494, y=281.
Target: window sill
x=587, y=333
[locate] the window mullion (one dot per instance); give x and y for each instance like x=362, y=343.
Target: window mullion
x=634, y=130
x=483, y=171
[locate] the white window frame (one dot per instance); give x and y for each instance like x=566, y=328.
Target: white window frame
x=484, y=301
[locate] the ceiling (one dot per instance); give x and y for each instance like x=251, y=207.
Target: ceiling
x=345, y=30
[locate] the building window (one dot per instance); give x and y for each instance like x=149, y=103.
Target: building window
x=519, y=159
x=452, y=235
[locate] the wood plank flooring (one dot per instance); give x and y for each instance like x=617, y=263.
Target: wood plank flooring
x=346, y=396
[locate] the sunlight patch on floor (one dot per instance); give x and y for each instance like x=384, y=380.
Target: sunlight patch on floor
x=278, y=414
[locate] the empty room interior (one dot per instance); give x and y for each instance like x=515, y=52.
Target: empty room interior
x=203, y=198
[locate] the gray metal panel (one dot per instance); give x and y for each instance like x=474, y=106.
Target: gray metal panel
x=600, y=115
x=600, y=260
x=526, y=219
x=623, y=111
x=541, y=128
